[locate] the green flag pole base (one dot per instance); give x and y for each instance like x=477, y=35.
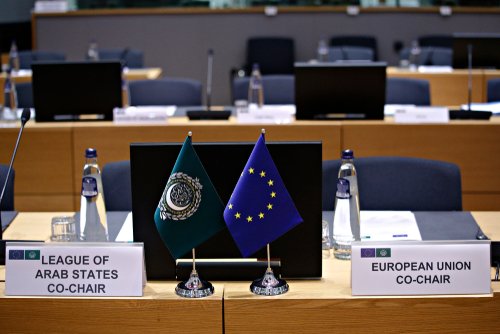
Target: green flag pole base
x=269, y=285
x=194, y=287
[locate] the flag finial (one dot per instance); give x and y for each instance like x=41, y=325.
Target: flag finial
x=190, y=133
x=263, y=131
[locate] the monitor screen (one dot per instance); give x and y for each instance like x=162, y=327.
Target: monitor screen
x=77, y=91
x=299, y=164
x=340, y=90
x=485, y=50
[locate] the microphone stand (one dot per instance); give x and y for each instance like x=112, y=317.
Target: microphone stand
x=25, y=116
x=207, y=113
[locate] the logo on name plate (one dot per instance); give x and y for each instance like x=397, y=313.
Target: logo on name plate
x=20, y=254
x=383, y=252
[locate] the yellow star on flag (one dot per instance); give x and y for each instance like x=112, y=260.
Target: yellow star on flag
x=273, y=194
x=269, y=206
x=249, y=219
x=262, y=174
x=230, y=206
x=251, y=170
x=270, y=183
x=261, y=215
x=237, y=215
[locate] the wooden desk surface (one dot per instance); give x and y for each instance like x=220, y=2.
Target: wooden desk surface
x=311, y=306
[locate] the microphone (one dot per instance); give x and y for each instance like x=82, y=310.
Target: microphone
x=123, y=57
x=469, y=113
x=25, y=116
x=208, y=113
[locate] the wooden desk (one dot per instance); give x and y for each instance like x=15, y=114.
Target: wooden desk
x=311, y=306
x=131, y=74
x=327, y=306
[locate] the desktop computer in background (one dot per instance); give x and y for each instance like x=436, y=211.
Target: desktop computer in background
x=340, y=90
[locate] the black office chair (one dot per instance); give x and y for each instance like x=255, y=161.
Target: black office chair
x=278, y=89
x=8, y=197
x=117, y=186
x=24, y=95
x=441, y=41
x=130, y=57
x=493, y=94
x=356, y=40
x=275, y=55
x=408, y=91
x=356, y=53
x=166, y=91
x=26, y=58
x=431, y=56
x=399, y=183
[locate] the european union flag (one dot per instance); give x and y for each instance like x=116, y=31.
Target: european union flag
x=260, y=209
x=190, y=210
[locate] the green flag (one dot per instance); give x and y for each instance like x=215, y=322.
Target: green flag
x=190, y=210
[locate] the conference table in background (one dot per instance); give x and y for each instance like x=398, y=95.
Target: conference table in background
x=131, y=74
x=51, y=155
x=450, y=88
x=311, y=306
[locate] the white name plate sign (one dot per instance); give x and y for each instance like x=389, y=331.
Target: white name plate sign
x=421, y=268
x=74, y=269
x=413, y=114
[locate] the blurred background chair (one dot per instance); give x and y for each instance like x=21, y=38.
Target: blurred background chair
x=430, y=56
x=350, y=53
x=493, y=94
x=275, y=55
x=117, y=186
x=399, y=183
x=357, y=41
x=408, y=91
x=24, y=95
x=26, y=58
x=8, y=197
x=278, y=89
x=129, y=57
x=166, y=91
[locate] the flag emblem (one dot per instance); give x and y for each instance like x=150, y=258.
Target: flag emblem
x=32, y=254
x=383, y=252
x=181, y=198
x=367, y=252
x=189, y=211
x=16, y=254
x=260, y=209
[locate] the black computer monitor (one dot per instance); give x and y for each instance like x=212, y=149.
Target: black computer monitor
x=76, y=91
x=299, y=164
x=340, y=90
x=485, y=50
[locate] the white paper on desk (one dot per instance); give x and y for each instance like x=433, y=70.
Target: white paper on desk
x=494, y=107
x=127, y=231
x=388, y=226
x=390, y=109
x=268, y=114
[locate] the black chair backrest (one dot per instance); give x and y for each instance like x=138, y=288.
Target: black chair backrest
x=8, y=197
x=275, y=55
x=166, y=91
x=338, y=53
x=26, y=58
x=278, y=89
x=408, y=91
x=493, y=90
x=117, y=186
x=399, y=183
x=130, y=57
x=431, y=56
x=356, y=40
